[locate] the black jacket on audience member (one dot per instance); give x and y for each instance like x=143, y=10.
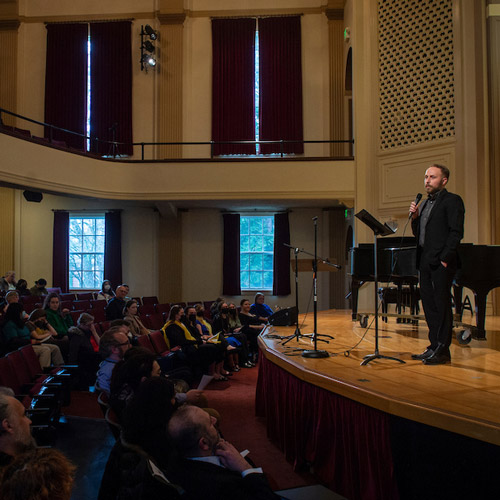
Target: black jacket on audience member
x=114, y=309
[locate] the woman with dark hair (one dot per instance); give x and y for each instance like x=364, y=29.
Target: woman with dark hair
x=43, y=332
x=144, y=441
x=22, y=288
x=130, y=314
x=60, y=320
x=17, y=334
x=199, y=354
x=106, y=292
x=252, y=326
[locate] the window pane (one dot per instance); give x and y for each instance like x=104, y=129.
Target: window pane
x=256, y=225
x=244, y=244
x=99, y=261
x=75, y=261
x=244, y=225
x=88, y=226
x=255, y=280
x=88, y=279
x=244, y=279
x=267, y=263
x=75, y=279
x=100, y=225
x=255, y=262
x=267, y=279
x=268, y=243
x=256, y=244
x=88, y=243
x=268, y=224
x=244, y=263
x=99, y=244
x=75, y=226
x=75, y=244
x=88, y=262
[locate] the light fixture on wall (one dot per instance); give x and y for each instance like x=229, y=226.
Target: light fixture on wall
x=147, y=47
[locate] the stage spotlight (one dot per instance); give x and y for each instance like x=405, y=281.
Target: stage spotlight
x=150, y=32
x=149, y=60
x=149, y=46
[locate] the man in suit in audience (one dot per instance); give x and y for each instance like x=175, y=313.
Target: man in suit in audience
x=438, y=225
x=15, y=432
x=211, y=468
x=114, y=309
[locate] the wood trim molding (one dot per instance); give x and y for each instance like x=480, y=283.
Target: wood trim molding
x=172, y=18
x=9, y=24
x=335, y=14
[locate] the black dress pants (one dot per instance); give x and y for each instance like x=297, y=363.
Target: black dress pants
x=435, y=292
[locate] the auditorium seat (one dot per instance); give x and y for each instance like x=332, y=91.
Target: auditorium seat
x=150, y=300
x=85, y=296
x=99, y=315
x=144, y=341
x=76, y=314
x=146, y=309
x=105, y=326
x=98, y=304
x=81, y=304
x=158, y=342
x=155, y=321
x=163, y=308
x=66, y=304
x=67, y=297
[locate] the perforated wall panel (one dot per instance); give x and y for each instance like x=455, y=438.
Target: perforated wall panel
x=417, y=101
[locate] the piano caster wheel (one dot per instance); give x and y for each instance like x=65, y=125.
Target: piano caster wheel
x=464, y=337
x=363, y=321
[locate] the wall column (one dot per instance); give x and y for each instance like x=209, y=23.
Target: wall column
x=170, y=84
x=8, y=68
x=170, y=258
x=336, y=54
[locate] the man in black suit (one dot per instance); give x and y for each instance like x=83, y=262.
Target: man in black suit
x=438, y=225
x=210, y=467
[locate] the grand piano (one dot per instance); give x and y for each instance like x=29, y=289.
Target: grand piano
x=396, y=262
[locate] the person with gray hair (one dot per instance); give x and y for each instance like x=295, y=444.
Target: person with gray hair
x=210, y=467
x=114, y=343
x=15, y=432
x=8, y=281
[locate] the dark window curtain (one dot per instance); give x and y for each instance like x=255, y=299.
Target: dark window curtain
x=233, y=45
x=111, y=85
x=281, y=265
x=113, y=248
x=231, y=284
x=60, y=251
x=280, y=83
x=66, y=82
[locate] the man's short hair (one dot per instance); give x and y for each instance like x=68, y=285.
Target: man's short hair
x=10, y=295
x=185, y=431
x=5, y=409
x=444, y=170
x=108, y=341
x=120, y=322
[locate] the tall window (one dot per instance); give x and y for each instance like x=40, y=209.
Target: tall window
x=86, y=251
x=256, y=252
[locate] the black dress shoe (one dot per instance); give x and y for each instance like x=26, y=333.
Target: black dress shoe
x=424, y=355
x=440, y=356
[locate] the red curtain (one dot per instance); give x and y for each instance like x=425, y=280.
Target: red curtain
x=66, y=82
x=281, y=262
x=280, y=83
x=348, y=444
x=111, y=85
x=60, y=251
x=233, y=46
x=231, y=284
x=113, y=248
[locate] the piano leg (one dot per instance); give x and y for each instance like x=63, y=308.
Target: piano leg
x=457, y=298
x=480, y=303
x=355, y=284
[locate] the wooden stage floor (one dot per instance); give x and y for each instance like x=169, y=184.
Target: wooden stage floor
x=462, y=397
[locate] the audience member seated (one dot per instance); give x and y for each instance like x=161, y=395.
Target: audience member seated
x=15, y=432
x=252, y=326
x=137, y=463
x=259, y=309
x=60, y=319
x=124, y=326
x=22, y=288
x=39, y=288
x=232, y=347
x=17, y=334
x=8, y=281
x=130, y=314
x=200, y=355
x=81, y=350
x=214, y=308
x=112, y=347
x=114, y=309
x=43, y=332
x=210, y=467
x=11, y=297
x=40, y=474
x=106, y=292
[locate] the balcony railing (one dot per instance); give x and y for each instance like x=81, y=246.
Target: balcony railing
x=343, y=149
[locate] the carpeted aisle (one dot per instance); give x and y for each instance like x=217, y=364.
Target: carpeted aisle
x=235, y=401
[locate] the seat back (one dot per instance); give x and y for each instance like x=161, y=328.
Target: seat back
x=85, y=296
x=31, y=360
x=155, y=321
x=67, y=296
x=144, y=341
x=163, y=308
x=146, y=309
x=152, y=300
x=8, y=377
x=82, y=305
x=158, y=342
x=98, y=304
x=18, y=366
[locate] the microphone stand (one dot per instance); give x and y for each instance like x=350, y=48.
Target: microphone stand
x=315, y=353
x=296, y=335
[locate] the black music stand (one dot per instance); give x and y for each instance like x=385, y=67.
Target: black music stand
x=378, y=229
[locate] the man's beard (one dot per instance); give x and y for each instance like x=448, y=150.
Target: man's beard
x=25, y=443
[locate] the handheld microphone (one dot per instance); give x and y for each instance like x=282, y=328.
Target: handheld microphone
x=417, y=201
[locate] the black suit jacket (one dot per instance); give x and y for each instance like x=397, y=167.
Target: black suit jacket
x=443, y=231
x=203, y=480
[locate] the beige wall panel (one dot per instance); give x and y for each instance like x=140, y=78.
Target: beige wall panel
x=170, y=261
x=7, y=229
x=49, y=169
x=8, y=73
